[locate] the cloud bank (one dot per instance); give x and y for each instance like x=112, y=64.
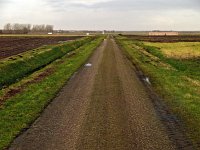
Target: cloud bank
x=104, y=14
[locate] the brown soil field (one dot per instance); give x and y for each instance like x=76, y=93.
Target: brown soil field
x=165, y=39
x=10, y=46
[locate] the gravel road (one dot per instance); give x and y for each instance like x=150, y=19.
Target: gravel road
x=102, y=107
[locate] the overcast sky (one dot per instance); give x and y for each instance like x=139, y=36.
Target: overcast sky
x=104, y=14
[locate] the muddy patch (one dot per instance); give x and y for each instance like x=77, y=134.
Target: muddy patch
x=14, y=91
x=70, y=54
x=43, y=75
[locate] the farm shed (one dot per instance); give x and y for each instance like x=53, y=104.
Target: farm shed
x=162, y=33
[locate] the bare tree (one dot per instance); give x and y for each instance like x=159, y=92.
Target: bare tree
x=25, y=28
x=21, y=28
x=8, y=28
x=29, y=27
x=49, y=28
x=42, y=28
x=38, y=28
x=16, y=27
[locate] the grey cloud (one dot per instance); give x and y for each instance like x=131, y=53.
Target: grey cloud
x=2, y=2
x=150, y=5
x=57, y=5
x=126, y=5
x=5, y=2
x=146, y=14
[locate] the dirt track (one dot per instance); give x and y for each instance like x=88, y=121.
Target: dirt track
x=102, y=107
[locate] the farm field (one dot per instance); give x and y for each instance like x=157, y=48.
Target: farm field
x=179, y=50
x=18, y=66
x=173, y=69
x=163, y=39
x=13, y=45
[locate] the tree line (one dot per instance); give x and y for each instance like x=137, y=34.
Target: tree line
x=26, y=28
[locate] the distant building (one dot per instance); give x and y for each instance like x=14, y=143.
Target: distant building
x=50, y=33
x=87, y=34
x=163, y=33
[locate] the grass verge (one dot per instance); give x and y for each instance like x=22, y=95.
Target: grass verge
x=173, y=79
x=20, y=111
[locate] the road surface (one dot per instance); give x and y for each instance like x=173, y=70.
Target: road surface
x=102, y=107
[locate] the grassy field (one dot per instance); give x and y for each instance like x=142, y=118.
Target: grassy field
x=179, y=50
x=19, y=66
x=175, y=75
x=33, y=93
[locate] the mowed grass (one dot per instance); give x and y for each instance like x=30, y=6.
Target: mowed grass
x=18, y=112
x=17, y=67
x=179, y=50
x=176, y=80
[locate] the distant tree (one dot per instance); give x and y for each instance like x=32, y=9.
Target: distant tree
x=8, y=27
x=29, y=27
x=42, y=28
x=21, y=28
x=38, y=28
x=16, y=27
x=34, y=28
x=25, y=28
x=49, y=28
